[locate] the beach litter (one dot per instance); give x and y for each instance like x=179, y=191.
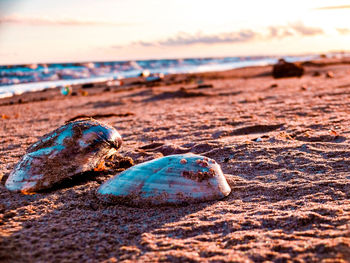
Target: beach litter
x=66, y=90
x=73, y=148
x=174, y=179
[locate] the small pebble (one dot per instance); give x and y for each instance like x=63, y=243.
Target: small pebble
x=330, y=74
x=83, y=92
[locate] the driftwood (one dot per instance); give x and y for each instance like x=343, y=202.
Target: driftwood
x=97, y=116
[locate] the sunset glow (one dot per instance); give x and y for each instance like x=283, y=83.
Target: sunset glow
x=84, y=30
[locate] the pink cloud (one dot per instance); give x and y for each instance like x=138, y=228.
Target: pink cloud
x=334, y=7
x=343, y=31
x=294, y=29
x=64, y=21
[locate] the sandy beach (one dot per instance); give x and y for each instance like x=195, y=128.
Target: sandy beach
x=283, y=145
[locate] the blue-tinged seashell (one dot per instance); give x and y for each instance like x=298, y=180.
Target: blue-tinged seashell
x=174, y=179
x=75, y=147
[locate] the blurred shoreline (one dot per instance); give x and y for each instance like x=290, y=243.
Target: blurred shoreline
x=90, y=87
x=18, y=79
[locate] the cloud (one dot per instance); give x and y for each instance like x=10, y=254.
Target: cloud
x=63, y=21
x=333, y=7
x=279, y=32
x=199, y=38
x=343, y=31
x=246, y=35
x=182, y=39
x=305, y=30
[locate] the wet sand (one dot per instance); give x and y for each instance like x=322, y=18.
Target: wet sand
x=282, y=144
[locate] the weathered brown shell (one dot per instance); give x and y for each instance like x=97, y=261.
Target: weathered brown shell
x=73, y=148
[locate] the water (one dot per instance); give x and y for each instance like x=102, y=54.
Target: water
x=18, y=79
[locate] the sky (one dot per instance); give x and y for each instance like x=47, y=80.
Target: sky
x=43, y=31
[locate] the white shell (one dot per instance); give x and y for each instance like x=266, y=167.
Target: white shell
x=174, y=179
x=74, y=148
